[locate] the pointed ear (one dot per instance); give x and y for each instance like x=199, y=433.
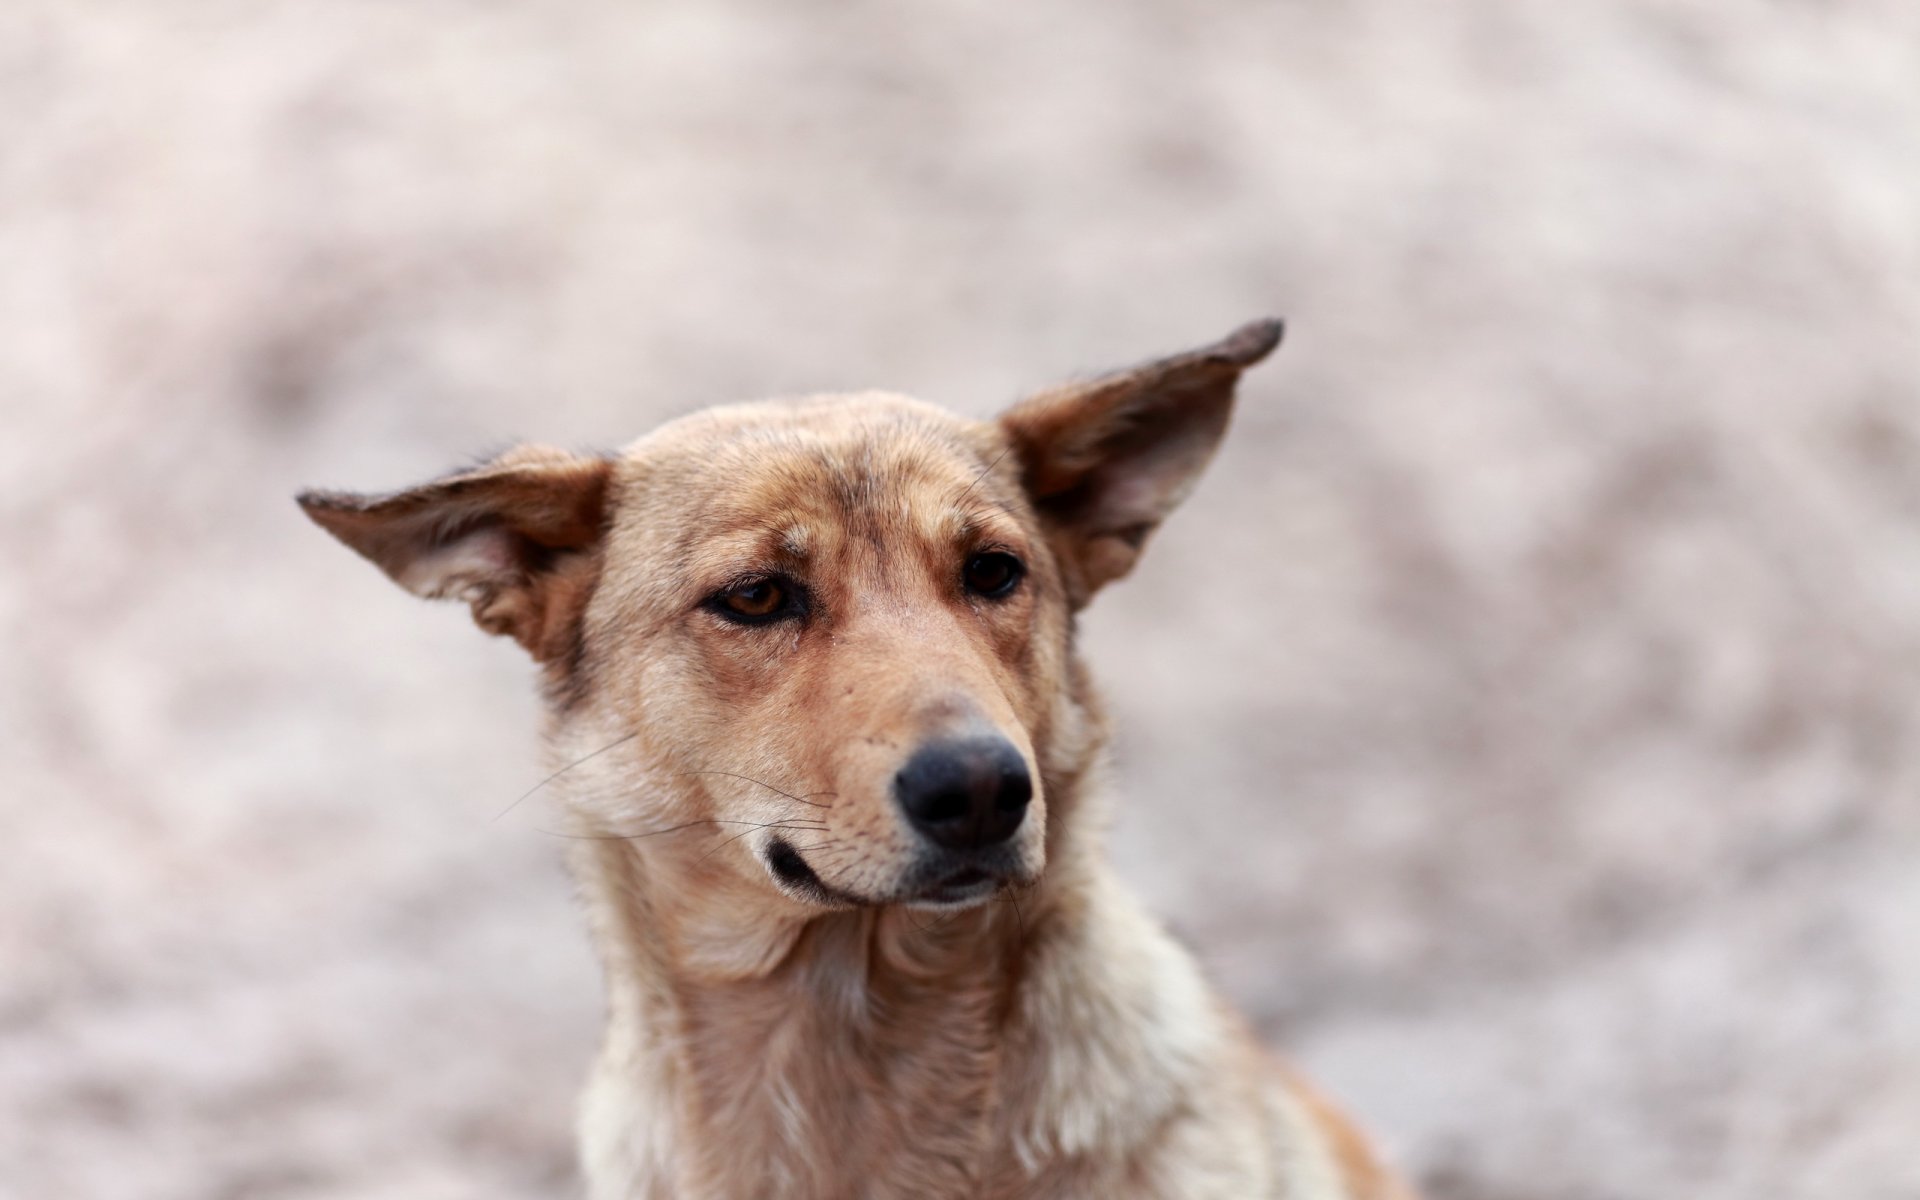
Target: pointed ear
x=517, y=538
x=1105, y=461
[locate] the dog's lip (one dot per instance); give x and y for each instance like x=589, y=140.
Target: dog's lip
x=960, y=884
x=793, y=872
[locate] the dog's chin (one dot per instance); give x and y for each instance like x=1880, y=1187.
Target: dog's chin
x=962, y=889
x=948, y=884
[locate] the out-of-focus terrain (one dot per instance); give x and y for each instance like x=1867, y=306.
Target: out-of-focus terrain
x=1521, y=719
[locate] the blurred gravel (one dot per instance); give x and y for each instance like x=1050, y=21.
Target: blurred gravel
x=1521, y=720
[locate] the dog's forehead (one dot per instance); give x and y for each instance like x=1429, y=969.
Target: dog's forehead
x=870, y=438
x=793, y=467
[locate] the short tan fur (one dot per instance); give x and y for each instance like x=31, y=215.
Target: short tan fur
x=832, y=770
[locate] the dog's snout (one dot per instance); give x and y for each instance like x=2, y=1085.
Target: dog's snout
x=965, y=794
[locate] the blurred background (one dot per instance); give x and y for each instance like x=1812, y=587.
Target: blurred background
x=1520, y=721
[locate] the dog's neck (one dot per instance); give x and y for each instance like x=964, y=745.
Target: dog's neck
x=785, y=1053
x=895, y=1048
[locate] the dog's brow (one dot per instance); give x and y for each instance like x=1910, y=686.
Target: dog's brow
x=980, y=518
x=748, y=550
x=957, y=525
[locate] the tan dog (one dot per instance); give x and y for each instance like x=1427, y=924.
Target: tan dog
x=831, y=760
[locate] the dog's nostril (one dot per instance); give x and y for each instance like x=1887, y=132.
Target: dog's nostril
x=1015, y=791
x=965, y=793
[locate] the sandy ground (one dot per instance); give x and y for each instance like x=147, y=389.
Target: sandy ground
x=1521, y=720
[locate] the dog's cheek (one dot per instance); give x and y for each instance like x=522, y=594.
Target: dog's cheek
x=744, y=668
x=1032, y=648
x=1047, y=677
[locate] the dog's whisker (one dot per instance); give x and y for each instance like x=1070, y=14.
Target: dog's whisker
x=1012, y=895
x=988, y=470
x=763, y=783
x=629, y=837
x=940, y=923
x=982, y=503
x=724, y=843
x=562, y=771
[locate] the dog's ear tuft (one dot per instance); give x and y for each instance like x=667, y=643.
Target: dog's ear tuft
x=1106, y=460
x=516, y=538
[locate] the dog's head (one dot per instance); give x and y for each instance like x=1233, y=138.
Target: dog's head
x=829, y=639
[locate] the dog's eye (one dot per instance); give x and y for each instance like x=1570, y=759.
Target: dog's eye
x=993, y=574
x=755, y=601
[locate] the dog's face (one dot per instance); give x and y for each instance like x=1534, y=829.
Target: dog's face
x=826, y=639
x=840, y=601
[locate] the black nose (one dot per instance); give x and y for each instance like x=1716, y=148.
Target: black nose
x=965, y=793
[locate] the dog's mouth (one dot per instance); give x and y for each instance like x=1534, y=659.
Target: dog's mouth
x=957, y=888
x=788, y=868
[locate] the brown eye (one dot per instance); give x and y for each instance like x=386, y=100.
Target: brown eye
x=993, y=574
x=755, y=601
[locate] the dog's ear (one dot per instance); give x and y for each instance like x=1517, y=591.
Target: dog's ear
x=1106, y=460
x=516, y=538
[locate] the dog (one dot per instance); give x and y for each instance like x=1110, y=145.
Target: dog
x=830, y=765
